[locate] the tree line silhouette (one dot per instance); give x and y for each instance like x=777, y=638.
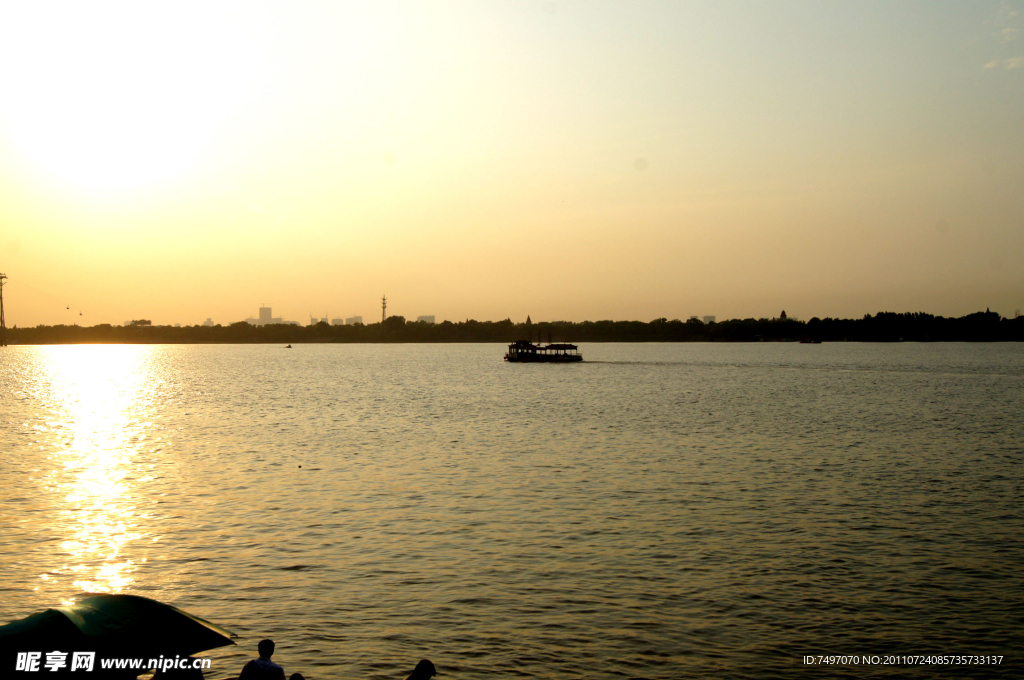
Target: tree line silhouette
x=882, y=327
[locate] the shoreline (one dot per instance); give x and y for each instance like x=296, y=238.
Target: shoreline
x=984, y=326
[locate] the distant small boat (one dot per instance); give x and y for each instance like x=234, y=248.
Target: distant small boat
x=522, y=351
x=287, y=346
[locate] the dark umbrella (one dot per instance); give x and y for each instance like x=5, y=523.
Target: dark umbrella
x=111, y=626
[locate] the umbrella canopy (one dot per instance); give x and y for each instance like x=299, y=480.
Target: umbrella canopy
x=111, y=625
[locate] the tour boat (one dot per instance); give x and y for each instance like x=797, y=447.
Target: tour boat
x=523, y=351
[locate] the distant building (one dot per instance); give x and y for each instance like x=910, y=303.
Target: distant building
x=265, y=319
x=694, y=318
x=426, y=319
x=208, y=322
x=337, y=322
x=709, y=319
x=353, y=319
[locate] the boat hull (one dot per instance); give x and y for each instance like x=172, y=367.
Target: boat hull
x=544, y=359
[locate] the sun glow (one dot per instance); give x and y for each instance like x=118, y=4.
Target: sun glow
x=112, y=95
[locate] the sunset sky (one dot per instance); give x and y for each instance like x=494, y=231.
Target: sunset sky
x=566, y=160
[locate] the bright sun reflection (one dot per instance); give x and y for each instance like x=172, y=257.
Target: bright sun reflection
x=99, y=389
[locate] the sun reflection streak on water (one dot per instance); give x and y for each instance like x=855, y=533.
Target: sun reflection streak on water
x=100, y=405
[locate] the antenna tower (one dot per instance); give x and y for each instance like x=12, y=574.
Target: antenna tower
x=383, y=308
x=3, y=326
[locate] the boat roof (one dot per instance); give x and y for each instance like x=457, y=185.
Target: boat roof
x=522, y=344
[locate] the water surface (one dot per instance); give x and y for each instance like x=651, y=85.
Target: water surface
x=659, y=511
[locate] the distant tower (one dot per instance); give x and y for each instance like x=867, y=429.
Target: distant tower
x=383, y=308
x=3, y=326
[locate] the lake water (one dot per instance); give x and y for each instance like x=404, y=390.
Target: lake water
x=658, y=511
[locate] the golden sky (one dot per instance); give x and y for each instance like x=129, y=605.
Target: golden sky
x=566, y=160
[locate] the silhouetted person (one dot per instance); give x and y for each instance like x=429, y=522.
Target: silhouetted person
x=262, y=668
x=296, y=676
x=424, y=671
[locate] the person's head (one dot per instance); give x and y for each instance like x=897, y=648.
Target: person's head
x=266, y=648
x=296, y=676
x=424, y=669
